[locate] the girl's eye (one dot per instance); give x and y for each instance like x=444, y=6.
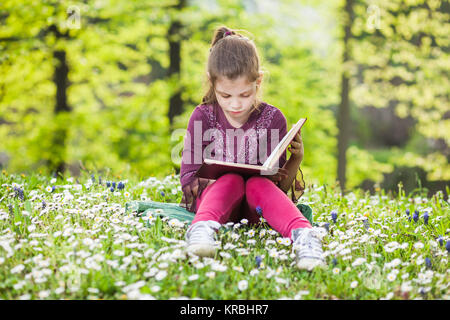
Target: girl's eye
x=226, y=97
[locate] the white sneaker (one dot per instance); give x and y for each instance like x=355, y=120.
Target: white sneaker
x=200, y=238
x=307, y=245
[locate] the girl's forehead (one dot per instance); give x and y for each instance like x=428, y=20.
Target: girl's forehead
x=224, y=83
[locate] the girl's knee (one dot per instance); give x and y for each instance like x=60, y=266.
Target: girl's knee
x=233, y=179
x=256, y=182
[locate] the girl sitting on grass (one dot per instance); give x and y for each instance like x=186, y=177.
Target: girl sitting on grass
x=230, y=105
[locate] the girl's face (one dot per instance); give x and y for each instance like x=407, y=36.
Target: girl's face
x=236, y=97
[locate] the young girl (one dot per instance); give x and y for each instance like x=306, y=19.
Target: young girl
x=231, y=104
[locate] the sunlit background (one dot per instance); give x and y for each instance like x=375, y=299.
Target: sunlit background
x=103, y=85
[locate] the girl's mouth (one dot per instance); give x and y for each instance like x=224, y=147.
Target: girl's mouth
x=236, y=112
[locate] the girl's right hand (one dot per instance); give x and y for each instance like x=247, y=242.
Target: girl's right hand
x=280, y=175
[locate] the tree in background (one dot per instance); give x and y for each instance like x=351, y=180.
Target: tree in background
x=175, y=37
x=343, y=116
x=95, y=68
x=401, y=64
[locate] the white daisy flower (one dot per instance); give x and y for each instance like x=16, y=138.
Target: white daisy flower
x=161, y=275
x=358, y=262
x=155, y=288
x=251, y=233
x=243, y=285
x=254, y=272
x=193, y=277
x=391, y=276
x=17, y=269
x=418, y=245
x=238, y=268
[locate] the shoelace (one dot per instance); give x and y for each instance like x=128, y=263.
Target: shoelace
x=308, y=243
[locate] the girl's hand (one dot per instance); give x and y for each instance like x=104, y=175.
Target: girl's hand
x=195, y=189
x=277, y=177
x=296, y=148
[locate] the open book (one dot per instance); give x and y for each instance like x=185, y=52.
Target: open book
x=213, y=169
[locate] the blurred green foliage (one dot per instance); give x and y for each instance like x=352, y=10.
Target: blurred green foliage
x=117, y=54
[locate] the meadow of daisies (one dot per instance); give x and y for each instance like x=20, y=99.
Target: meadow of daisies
x=71, y=238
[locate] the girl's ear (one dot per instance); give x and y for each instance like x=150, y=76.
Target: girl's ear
x=207, y=74
x=258, y=81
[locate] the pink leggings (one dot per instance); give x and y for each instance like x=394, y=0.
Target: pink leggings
x=231, y=198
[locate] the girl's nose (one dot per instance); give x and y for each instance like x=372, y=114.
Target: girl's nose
x=236, y=105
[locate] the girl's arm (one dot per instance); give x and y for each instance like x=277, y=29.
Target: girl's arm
x=291, y=166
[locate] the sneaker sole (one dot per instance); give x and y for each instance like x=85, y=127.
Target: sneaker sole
x=202, y=250
x=310, y=264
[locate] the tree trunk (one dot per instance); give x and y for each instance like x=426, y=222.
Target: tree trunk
x=59, y=136
x=343, y=115
x=174, y=36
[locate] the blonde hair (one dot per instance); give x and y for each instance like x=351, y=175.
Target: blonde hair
x=231, y=55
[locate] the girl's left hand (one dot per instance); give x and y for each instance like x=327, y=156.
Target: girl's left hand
x=296, y=148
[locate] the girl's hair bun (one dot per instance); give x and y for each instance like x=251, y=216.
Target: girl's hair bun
x=221, y=33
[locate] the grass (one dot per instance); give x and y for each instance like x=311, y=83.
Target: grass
x=77, y=242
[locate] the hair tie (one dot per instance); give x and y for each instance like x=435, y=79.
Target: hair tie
x=229, y=33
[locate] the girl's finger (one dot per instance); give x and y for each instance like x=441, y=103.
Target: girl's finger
x=296, y=144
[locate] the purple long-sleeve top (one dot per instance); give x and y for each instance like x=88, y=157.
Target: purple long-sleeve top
x=210, y=135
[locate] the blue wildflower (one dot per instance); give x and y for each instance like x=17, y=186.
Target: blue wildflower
x=440, y=240
x=366, y=224
x=428, y=263
x=334, y=215
x=108, y=184
x=19, y=193
x=407, y=213
x=334, y=261
x=422, y=291
x=416, y=216
x=258, y=261
x=447, y=246
x=327, y=226
x=114, y=184
x=426, y=217
x=259, y=210
x=93, y=178
x=44, y=205
x=162, y=193
x=120, y=185
x=111, y=189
